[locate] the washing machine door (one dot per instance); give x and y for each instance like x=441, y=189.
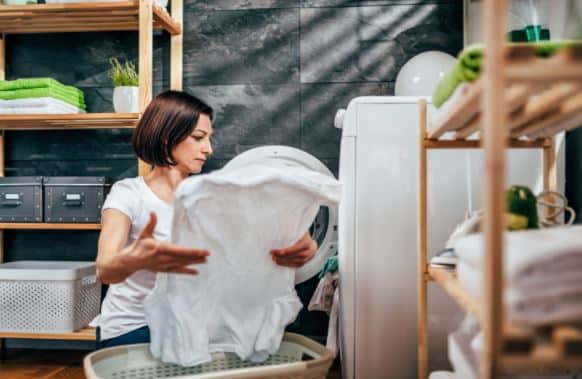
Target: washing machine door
x=324, y=228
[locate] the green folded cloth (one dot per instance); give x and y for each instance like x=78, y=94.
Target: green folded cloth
x=469, y=65
x=28, y=83
x=75, y=100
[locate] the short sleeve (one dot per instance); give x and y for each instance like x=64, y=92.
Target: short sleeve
x=123, y=197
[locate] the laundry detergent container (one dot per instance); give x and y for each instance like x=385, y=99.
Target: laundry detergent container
x=297, y=358
x=47, y=297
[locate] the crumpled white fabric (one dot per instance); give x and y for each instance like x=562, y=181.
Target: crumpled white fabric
x=326, y=299
x=241, y=300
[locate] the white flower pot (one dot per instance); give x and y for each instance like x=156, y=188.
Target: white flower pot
x=126, y=99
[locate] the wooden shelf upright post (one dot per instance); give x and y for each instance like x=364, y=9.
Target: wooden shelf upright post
x=146, y=49
x=176, y=47
x=422, y=246
x=494, y=141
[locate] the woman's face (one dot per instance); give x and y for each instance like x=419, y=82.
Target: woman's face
x=191, y=154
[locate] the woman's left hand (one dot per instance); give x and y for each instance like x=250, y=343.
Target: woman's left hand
x=296, y=255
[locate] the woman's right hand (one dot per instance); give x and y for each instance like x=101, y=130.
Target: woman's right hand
x=147, y=253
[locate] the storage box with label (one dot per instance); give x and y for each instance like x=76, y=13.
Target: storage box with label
x=21, y=199
x=74, y=198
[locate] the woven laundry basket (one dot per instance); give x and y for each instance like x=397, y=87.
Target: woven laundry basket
x=297, y=358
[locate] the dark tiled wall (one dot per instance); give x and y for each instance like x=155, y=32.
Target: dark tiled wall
x=276, y=71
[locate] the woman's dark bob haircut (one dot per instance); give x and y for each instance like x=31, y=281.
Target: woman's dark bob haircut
x=168, y=120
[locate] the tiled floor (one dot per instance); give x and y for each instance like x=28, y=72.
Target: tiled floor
x=58, y=364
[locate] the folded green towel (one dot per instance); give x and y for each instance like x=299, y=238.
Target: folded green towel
x=469, y=65
x=76, y=100
x=28, y=83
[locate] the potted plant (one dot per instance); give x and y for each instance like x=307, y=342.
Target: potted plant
x=126, y=92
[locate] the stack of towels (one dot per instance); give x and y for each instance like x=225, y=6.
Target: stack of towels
x=39, y=96
x=542, y=273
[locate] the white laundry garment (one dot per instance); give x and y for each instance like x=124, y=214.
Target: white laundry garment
x=241, y=300
x=326, y=299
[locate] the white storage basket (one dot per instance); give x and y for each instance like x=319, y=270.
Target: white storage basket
x=297, y=358
x=47, y=297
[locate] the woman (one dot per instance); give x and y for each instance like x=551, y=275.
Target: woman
x=173, y=136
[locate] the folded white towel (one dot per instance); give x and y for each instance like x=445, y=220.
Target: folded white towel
x=446, y=108
x=558, y=302
x=532, y=258
x=39, y=110
x=542, y=271
x=36, y=106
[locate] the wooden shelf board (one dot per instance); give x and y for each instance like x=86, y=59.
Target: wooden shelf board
x=79, y=17
x=476, y=144
x=69, y=121
x=562, y=349
x=86, y=334
x=48, y=226
x=544, y=358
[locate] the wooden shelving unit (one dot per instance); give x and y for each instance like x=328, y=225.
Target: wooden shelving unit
x=519, y=101
x=69, y=121
x=48, y=226
x=87, y=334
x=142, y=16
x=81, y=17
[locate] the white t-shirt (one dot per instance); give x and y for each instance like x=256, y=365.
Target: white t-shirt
x=122, y=310
x=241, y=301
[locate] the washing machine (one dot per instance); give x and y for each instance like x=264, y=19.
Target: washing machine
x=324, y=228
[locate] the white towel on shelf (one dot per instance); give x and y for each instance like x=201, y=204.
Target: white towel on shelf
x=533, y=258
x=445, y=109
x=542, y=271
x=558, y=303
x=241, y=300
x=39, y=105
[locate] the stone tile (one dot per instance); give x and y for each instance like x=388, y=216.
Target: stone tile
x=239, y=4
x=362, y=44
x=251, y=115
x=35, y=245
x=69, y=145
x=83, y=61
x=319, y=103
x=242, y=47
x=351, y=3
x=114, y=169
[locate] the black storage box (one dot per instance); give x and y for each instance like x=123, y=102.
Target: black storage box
x=74, y=198
x=21, y=199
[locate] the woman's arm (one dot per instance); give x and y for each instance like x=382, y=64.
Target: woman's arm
x=296, y=255
x=116, y=262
